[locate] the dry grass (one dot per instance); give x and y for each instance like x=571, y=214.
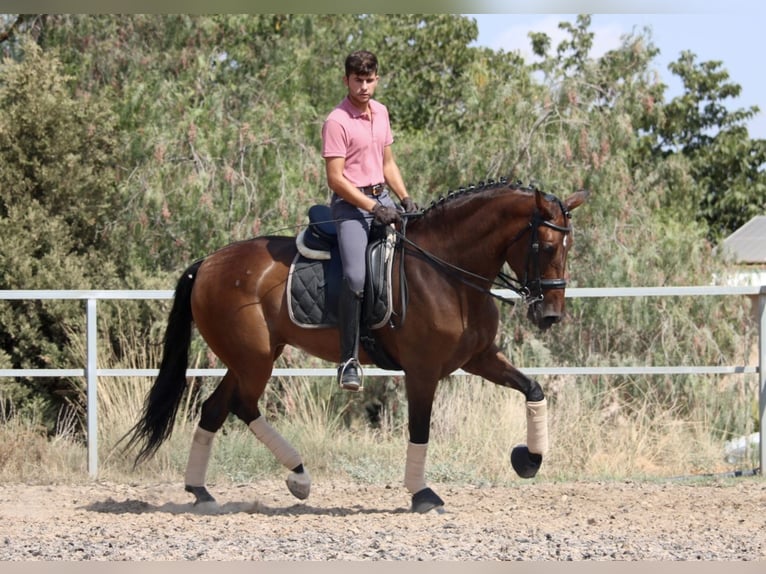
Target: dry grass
x=27, y=454
x=475, y=424
x=595, y=432
x=614, y=440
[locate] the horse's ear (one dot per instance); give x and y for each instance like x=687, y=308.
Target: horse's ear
x=576, y=199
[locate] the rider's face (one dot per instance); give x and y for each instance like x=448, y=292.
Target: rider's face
x=361, y=88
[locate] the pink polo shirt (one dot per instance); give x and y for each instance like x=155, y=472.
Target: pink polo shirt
x=350, y=134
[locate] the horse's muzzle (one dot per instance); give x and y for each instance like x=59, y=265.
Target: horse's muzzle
x=544, y=314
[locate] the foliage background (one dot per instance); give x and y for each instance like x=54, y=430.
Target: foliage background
x=131, y=145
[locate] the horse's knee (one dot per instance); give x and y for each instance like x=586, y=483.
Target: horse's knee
x=244, y=399
x=244, y=403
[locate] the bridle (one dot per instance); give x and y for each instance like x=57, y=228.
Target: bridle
x=531, y=287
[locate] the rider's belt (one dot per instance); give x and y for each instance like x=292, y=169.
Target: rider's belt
x=373, y=190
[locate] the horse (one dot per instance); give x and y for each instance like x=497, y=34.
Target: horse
x=449, y=258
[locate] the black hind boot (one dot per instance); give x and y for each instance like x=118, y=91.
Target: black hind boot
x=349, y=314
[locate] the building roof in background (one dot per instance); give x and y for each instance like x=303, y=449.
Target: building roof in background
x=748, y=243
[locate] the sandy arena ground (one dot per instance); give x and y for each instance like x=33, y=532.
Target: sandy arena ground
x=589, y=521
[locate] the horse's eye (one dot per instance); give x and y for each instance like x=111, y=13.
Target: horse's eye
x=548, y=247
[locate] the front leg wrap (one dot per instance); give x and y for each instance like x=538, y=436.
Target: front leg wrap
x=423, y=498
x=415, y=467
x=537, y=426
x=526, y=459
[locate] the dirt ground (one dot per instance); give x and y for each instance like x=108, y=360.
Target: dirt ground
x=588, y=521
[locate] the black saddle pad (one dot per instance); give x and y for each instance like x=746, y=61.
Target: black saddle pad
x=313, y=286
x=313, y=290
x=314, y=281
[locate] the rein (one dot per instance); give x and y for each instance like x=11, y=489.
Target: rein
x=531, y=290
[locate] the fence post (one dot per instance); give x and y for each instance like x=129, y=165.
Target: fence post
x=91, y=375
x=762, y=377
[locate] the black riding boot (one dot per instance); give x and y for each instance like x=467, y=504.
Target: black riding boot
x=349, y=314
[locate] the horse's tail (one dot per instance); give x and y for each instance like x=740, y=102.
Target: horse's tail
x=161, y=406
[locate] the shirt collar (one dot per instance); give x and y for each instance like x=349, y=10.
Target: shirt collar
x=353, y=111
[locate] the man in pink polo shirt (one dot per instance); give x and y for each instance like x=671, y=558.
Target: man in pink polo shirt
x=361, y=172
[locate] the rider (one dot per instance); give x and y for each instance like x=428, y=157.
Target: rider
x=360, y=167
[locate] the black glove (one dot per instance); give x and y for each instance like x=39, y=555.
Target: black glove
x=384, y=215
x=409, y=205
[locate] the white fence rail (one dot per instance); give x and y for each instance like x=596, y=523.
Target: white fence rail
x=91, y=371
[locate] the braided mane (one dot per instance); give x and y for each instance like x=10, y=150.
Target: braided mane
x=464, y=191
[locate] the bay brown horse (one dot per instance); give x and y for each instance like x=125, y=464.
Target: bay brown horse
x=454, y=253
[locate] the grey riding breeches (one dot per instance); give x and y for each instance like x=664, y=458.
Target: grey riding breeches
x=353, y=225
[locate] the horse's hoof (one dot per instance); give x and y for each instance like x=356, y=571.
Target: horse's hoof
x=525, y=463
x=201, y=494
x=425, y=500
x=299, y=484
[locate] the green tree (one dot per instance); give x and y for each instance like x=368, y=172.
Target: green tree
x=211, y=125
x=726, y=164
x=219, y=131
x=425, y=60
x=220, y=115
x=639, y=228
x=57, y=205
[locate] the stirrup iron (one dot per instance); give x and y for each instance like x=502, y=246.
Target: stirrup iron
x=351, y=385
